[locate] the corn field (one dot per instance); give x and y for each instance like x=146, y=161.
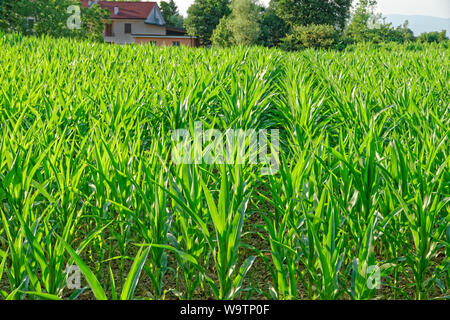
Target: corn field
x=359, y=208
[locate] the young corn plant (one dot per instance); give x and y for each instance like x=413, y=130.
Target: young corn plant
x=186, y=236
x=228, y=216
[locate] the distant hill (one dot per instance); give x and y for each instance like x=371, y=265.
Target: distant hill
x=420, y=24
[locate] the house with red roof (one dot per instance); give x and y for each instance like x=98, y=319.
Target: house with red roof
x=140, y=23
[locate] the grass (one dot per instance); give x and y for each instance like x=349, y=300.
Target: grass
x=86, y=175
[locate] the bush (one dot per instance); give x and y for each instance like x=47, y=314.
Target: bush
x=241, y=27
x=311, y=36
x=430, y=37
x=222, y=35
x=383, y=34
x=273, y=29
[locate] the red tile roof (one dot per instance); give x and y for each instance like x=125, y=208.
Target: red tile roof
x=127, y=10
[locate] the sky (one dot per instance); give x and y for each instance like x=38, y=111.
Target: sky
x=435, y=8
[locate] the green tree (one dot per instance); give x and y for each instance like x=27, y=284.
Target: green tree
x=319, y=12
x=245, y=25
x=358, y=29
x=366, y=26
x=407, y=33
x=50, y=17
x=430, y=37
x=171, y=14
x=273, y=28
x=311, y=36
x=168, y=8
x=92, y=23
x=222, y=35
x=442, y=37
x=204, y=16
x=241, y=27
x=13, y=15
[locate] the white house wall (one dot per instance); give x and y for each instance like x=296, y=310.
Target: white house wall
x=137, y=27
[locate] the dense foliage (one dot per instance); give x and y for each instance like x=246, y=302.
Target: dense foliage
x=241, y=27
x=52, y=17
x=311, y=36
x=204, y=16
x=302, y=24
x=172, y=16
x=306, y=12
x=273, y=28
x=431, y=37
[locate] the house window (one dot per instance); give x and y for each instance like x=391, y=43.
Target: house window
x=153, y=43
x=176, y=43
x=108, y=30
x=127, y=27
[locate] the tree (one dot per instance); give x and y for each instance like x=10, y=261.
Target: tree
x=442, y=37
x=408, y=34
x=273, y=28
x=93, y=23
x=431, y=37
x=13, y=15
x=241, y=27
x=51, y=17
x=364, y=14
x=171, y=14
x=319, y=12
x=245, y=26
x=168, y=9
x=368, y=26
x=311, y=36
x=222, y=35
x=204, y=16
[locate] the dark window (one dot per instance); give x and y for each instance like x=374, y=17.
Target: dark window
x=176, y=43
x=108, y=30
x=127, y=27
